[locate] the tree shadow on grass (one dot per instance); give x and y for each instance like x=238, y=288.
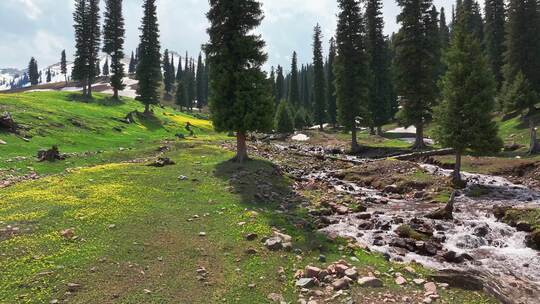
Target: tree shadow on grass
x=261, y=185
x=150, y=121
x=108, y=101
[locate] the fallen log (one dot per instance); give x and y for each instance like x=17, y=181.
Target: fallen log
x=416, y=155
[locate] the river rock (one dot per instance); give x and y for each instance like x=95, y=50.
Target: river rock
x=312, y=272
x=370, y=282
x=400, y=280
x=274, y=243
x=482, y=230
x=363, y=216
x=430, y=288
x=351, y=273
x=533, y=240
x=340, y=284
x=524, y=226
x=305, y=282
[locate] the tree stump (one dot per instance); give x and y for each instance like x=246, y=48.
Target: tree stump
x=7, y=123
x=52, y=154
x=445, y=213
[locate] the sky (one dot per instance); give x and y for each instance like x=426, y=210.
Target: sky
x=43, y=28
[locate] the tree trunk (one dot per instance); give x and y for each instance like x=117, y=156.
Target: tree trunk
x=84, y=88
x=321, y=127
x=379, y=131
x=146, y=109
x=241, y=148
x=419, y=143
x=456, y=175
x=534, y=145
x=354, y=141
x=89, y=93
x=115, y=95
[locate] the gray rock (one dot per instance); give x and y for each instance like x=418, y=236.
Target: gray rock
x=370, y=282
x=273, y=243
x=305, y=282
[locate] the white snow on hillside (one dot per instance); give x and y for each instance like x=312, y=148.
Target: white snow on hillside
x=13, y=76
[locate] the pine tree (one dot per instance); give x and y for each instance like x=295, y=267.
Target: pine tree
x=191, y=85
x=168, y=78
x=241, y=99
x=63, y=65
x=93, y=43
x=80, y=64
x=294, y=85
x=173, y=69
x=272, y=80
x=87, y=40
x=201, y=102
x=33, y=73
x=330, y=85
x=149, y=63
x=319, y=90
x=468, y=13
x=380, y=95
x=106, y=67
x=132, y=65
x=301, y=119
x=351, y=68
x=464, y=118
x=284, y=121
x=280, y=85
x=308, y=94
x=49, y=75
x=180, y=71
x=113, y=44
x=415, y=66
x=523, y=42
x=495, y=15
x=181, y=96
x=444, y=30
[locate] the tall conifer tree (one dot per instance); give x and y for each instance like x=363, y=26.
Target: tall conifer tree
x=415, y=66
x=351, y=68
x=319, y=89
x=168, y=77
x=113, y=43
x=494, y=35
x=149, y=62
x=380, y=89
x=240, y=98
x=201, y=102
x=280, y=85
x=33, y=73
x=63, y=65
x=294, y=85
x=464, y=118
x=330, y=85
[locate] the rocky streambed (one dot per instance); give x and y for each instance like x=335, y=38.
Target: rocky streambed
x=472, y=249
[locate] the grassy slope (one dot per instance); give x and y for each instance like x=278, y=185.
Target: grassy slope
x=50, y=117
x=153, y=245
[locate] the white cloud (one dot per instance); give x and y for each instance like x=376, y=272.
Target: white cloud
x=31, y=8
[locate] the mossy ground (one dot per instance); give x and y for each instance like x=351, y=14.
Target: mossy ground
x=152, y=252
